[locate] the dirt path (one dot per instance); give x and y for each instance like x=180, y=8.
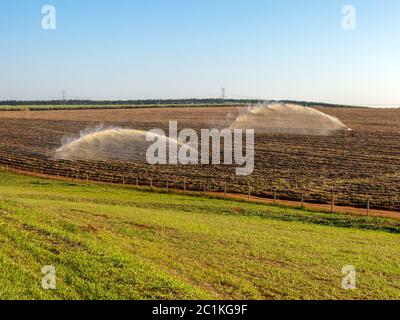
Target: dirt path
x=317, y=207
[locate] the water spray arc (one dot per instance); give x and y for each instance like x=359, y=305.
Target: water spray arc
x=279, y=118
x=111, y=144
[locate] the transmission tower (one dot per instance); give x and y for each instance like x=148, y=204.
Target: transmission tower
x=63, y=96
x=223, y=93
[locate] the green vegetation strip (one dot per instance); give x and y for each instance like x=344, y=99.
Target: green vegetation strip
x=117, y=243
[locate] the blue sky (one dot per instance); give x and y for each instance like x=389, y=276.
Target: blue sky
x=128, y=49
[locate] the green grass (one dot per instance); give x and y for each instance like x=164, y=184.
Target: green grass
x=112, y=242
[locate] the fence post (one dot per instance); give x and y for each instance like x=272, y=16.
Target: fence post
x=151, y=182
x=302, y=200
x=225, y=187
x=184, y=184
x=249, y=193
x=274, y=196
x=167, y=186
x=368, y=206
x=332, y=202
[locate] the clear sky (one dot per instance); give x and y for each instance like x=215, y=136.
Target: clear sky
x=131, y=49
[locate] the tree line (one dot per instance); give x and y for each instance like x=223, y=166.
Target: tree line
x=152, y=102
x=129, y=102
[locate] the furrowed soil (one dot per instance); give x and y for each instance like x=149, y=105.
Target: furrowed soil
x=356, y=167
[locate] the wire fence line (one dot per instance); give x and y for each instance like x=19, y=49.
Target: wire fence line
x=244, y=189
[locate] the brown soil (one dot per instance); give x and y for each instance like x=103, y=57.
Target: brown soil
x=357, y=167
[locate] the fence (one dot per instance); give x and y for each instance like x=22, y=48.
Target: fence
x=243, y=190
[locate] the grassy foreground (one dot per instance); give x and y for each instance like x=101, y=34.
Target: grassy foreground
x=108, y=242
